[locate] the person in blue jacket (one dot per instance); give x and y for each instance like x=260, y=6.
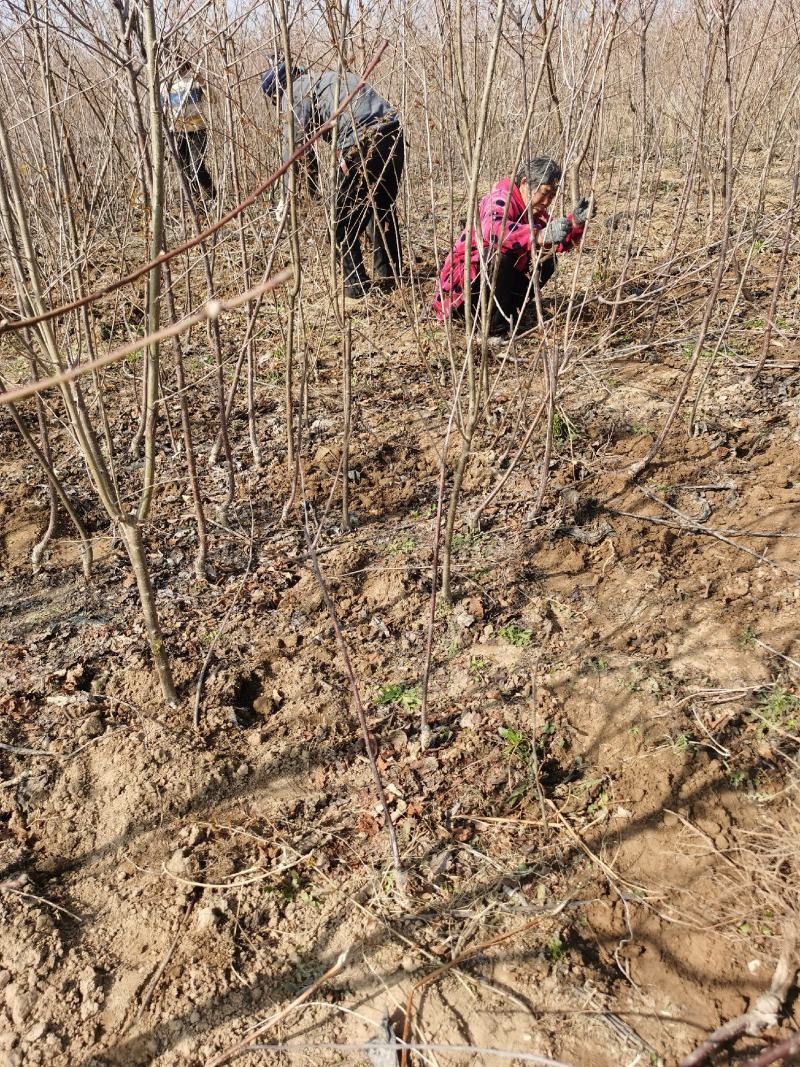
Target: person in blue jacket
x=371, y=155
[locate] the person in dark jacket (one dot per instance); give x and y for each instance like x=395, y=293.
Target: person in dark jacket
x=371, y=155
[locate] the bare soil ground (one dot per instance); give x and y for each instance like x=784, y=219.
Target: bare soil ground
x=615, y=736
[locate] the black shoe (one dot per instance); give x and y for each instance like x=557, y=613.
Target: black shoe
x=356, y=290
x=385, y=271
x=386, y=282
x=527, y=320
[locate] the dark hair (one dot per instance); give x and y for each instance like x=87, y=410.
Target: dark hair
x=539, y=171
x=274, y=81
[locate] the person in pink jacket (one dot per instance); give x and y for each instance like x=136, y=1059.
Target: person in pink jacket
x=514, y=225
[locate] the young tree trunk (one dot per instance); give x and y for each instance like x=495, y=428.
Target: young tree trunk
x=154, y=277
x=188, y=443
x=778, y=286
x=347, y=395
x=132, y=536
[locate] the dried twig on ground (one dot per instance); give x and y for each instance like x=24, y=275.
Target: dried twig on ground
x=462, y=958
x=19, y=750
x=782, y=1051
x=689, y=525
x=151, y=988
x=764, y=1013
x=249, y=1042
x=420, y=1046
x=775, y=652
x=11, y=886
x=614, y=878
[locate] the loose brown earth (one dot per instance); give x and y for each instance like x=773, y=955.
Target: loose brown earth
x=614, y=750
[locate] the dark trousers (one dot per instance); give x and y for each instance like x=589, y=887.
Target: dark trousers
x=509, y=293
x=366, y=192
x=191, y=148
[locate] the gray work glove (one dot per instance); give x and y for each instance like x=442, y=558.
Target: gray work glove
x=556, y=231
x=580, y=213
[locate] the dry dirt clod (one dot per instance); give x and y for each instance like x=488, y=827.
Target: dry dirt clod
x=19, y=1004
x=178, y=863
x=265, y=704
x=474, y=606
x=399, y=741
x=440, y=864
x=92, y=726
x=207, y=918
x=90, y=986
x=37, y=1031
x=196, y=835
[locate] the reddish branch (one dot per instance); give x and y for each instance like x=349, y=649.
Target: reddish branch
x=209, y=310
x=250, y=1041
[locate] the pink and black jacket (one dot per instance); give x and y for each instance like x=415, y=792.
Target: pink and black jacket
x=515, y=238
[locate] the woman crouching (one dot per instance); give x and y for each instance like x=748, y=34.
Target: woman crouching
x=514, y=226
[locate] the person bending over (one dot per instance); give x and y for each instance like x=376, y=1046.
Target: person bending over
x=370, y=153
x=182, y=104
x=514, y=227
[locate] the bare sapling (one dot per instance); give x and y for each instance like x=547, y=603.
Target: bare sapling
x=213, y=333
x=248, y=345
x=186, y=432
x=725, y=15
x=152, y=372
x=347, y=410
x=473, y=155
x=646, y=11
x=777, y=287
x=56, y=490
x=293, y=293
x=29, y=293
x=550, y=367
x=38, y=550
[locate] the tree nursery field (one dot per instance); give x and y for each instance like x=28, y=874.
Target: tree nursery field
x=378, y=687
